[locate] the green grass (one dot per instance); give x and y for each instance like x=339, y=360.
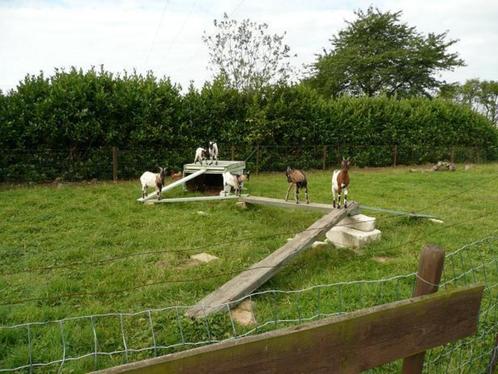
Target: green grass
x=83, y=224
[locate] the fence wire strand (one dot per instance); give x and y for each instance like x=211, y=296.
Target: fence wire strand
x=170, y=331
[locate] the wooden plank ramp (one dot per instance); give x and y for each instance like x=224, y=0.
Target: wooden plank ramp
x=349, y=343
x=173, y=185
x=192, y=199
x=250, y=279
x=268, y=201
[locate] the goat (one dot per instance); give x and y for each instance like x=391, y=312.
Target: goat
x=149, y=179
x=213, y=153
x=296, y=177
x=200, y=155
x=234, y=181
x=340, y=183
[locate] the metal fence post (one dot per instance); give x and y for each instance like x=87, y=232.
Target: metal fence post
x=430, y=269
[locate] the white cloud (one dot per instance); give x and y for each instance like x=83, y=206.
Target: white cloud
x=165, y=36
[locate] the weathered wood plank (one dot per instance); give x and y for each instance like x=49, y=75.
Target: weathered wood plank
x=324, y=207
x=286, y=204
x=259, y=273
x=192, y=199
x=173, y=185
x=345, y=344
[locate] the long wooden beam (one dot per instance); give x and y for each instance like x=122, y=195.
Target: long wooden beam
x=324, y=207
x=173, y=185
x=250, y=279
x=350, y=343
x=286, y=204
x=192, y=199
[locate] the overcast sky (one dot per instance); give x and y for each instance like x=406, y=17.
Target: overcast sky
x=165, y=35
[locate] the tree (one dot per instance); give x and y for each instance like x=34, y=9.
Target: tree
x=377, y=54
x=246, y=56
x=482, y=96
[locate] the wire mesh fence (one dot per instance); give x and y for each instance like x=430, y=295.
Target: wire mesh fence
x=97, y=341
x=106, y=163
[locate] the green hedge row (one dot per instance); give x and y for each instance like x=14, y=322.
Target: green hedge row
x=64, y=126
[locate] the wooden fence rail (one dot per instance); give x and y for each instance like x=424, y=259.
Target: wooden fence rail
x=347, y=344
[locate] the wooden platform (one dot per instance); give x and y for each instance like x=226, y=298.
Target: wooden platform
x=235, y=167
x=250, y=279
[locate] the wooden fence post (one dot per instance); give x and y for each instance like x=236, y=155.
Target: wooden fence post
x=430, y=268
x=115, y=164
x=324, y=157
x=257, y=159
x=232, y=152
x=395, y=155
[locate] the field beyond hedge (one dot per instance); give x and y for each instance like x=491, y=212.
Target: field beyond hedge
x=60, y=242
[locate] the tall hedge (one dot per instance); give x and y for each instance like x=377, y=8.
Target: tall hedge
x=65, y=125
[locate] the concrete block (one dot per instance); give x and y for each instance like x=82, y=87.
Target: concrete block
x=346, y=237
x=358, y=222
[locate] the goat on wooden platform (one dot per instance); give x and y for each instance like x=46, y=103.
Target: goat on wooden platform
x=340, y=183
x=200, y=155
x=296, y=177
x=213, y=153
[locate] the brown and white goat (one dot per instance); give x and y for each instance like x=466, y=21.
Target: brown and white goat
x=149, y=179
x=340, y=184
x=234, y=181
x=296, y=177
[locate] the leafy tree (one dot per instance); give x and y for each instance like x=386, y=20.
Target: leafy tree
x=482, y=96
x=377, y=54
x=246, y=56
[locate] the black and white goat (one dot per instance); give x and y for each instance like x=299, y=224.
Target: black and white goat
x=149, y=179
x=213, y=153
x=234, y=181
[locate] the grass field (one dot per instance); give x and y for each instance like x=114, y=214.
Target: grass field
x=82, y=249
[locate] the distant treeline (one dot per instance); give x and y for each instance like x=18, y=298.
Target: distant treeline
x=79, y=115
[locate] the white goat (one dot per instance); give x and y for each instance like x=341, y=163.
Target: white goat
x=149, y=179
x=234, y=181
x=213, y=153
x=200, y=155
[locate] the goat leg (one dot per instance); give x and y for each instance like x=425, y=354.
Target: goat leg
x=288, y=190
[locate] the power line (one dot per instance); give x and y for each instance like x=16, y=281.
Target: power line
x=157, y=32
